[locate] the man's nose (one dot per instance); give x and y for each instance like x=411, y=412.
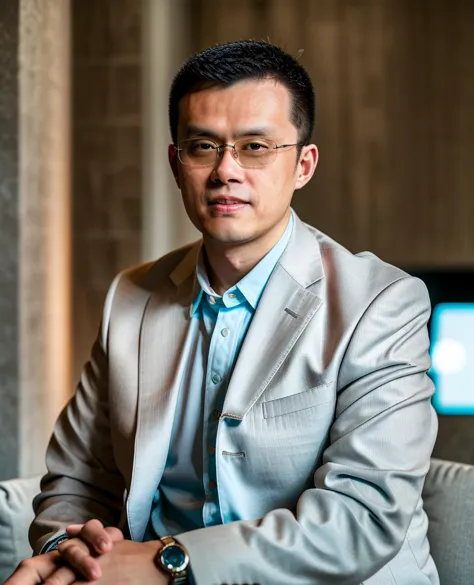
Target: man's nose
x=227, y=168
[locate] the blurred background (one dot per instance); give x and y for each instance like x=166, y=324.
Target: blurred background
x=85, y=189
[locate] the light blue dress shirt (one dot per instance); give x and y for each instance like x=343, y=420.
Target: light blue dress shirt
x=188, y=496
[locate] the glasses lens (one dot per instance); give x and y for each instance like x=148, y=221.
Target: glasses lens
x=197, y=152
x=255, y=152
x=251, y=152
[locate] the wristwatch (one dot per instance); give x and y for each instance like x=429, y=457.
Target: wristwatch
x=174, y=559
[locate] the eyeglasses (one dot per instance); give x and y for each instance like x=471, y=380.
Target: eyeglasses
x=248, y=152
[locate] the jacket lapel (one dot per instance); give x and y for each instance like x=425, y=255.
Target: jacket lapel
x=284, y=311
x=166, y=333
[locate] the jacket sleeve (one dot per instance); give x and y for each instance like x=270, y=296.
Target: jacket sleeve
x=82, y=481
x=355, y=518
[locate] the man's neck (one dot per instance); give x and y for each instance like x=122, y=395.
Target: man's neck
x=227, y=264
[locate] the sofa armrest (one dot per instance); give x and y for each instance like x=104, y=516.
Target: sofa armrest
x=16, y=515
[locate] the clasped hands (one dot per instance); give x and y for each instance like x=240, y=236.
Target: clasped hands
x=93, y=553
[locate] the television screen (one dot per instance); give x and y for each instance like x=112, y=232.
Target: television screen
x=452, y=354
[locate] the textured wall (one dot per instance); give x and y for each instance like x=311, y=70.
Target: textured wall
x=165, y=46
x=9, y=277
x=106, y=77
x=45, y=223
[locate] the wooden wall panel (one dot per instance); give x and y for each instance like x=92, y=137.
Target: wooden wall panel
x=394, y=82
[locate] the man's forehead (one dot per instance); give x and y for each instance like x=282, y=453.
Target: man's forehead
x=259, y=105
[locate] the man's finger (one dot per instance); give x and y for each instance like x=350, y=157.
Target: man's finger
x=94, y=533
x=74, y=530
x=63, y=576
x=116, y=535
x=77, y=554
x=35, y=569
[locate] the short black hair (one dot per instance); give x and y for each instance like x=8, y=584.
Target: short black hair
x=230, y=63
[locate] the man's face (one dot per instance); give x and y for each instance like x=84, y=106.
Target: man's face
x=262, y=196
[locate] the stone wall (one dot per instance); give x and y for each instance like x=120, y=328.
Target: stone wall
x=9, y=247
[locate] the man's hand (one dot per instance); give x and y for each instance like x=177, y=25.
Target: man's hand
x=131, y=563
x=86, y=542
x=38, y=570
x=75, y=557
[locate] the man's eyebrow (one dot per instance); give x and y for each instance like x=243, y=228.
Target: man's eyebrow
x=196, y=131
x=260, y=131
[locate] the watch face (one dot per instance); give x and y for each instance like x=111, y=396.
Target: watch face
x=174, y=558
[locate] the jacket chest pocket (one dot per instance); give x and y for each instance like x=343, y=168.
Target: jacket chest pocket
x=317, y=396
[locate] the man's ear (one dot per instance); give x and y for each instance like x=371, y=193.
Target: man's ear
x=306, y=165
x=173, y=160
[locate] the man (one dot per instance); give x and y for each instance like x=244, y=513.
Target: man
x=261, y=396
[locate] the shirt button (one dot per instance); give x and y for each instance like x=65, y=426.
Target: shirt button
x=212, y=484
x=216, y=378
x=212, y=300
x=211, y=450
x=231, y=296
x=225, y=332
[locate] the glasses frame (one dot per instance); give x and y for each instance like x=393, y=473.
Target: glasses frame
x=220, y=148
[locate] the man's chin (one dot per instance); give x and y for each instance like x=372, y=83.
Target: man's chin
x=228, y=237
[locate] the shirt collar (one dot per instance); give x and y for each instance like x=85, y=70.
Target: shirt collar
x=250, y=287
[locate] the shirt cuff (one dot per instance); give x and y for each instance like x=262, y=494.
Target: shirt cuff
x=53, y=543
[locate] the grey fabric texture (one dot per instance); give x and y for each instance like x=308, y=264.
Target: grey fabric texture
x=449, y=503
x=16, y=514
x=448, y=500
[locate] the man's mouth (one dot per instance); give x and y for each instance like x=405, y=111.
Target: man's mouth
x=224, y=201
x=226, y=206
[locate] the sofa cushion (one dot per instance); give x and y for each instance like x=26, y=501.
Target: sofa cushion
x=16, y=514
x=448, y=498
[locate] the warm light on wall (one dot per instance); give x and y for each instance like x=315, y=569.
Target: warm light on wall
x=45, y=256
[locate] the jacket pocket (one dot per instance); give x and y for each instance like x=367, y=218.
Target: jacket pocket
x=316, y=396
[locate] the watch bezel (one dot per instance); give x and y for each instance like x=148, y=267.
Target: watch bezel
x=176, y=571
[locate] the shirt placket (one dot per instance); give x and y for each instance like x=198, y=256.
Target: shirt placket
x=220, y=361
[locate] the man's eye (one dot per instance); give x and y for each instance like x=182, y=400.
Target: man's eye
x=202, y=146
x=255, y=146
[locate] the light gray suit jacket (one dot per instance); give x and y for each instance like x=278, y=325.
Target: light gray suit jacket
x=329, y=401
